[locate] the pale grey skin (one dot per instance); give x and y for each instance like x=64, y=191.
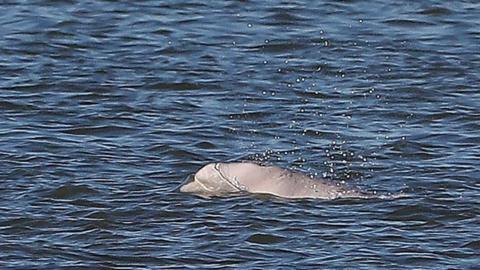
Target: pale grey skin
x=221, y=179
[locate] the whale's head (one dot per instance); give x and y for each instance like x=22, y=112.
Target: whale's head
x=209, y=180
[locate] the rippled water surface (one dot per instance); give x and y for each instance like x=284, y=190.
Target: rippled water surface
x=106, y=106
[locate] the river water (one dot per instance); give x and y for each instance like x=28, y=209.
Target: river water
x=106, y=106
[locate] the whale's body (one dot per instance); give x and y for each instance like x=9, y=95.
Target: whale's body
x=221, y=179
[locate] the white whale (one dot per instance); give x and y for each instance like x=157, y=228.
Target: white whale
x=221, y=179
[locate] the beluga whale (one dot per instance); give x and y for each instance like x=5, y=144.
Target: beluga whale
x=224, y=179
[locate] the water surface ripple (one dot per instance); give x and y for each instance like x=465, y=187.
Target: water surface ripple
x=106, y=106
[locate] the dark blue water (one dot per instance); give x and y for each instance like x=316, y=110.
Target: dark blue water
x=106, y=106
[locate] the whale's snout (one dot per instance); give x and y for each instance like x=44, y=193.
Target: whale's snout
x=201, y=181
x=189, y=185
